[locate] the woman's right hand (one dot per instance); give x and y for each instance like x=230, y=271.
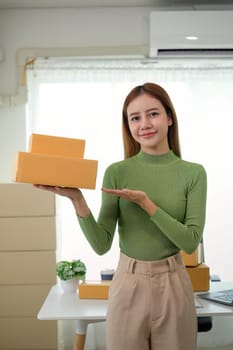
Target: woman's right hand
x=71, y=193
x=74, y=194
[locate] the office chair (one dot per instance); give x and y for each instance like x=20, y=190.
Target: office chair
x=204, y=324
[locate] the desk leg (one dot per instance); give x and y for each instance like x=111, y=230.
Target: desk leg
x=79, y=341
x=80, y=333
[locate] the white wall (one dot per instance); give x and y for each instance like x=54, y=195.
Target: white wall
x=67, y=28
x=56, y=28
x=12, y=138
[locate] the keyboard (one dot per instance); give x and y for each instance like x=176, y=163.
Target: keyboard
x=223, y=297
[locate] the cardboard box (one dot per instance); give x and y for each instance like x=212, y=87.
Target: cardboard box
x=27, y=268
x=195, y=258
x=25, y=200
x=28, y=333
x=200, y=277
x=55, y=170
x=22, y=300
x=54, y=145
x=94, y=289
x=27, y=233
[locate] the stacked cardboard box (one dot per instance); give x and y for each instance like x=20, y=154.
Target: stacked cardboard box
x=200, y=277
x=56, y=161
x=94, y=289
x=194, y=259
x=27, y=266
x=198, y=271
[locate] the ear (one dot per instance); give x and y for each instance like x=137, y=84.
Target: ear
x=170, y=121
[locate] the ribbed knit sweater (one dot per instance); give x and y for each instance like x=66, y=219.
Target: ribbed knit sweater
x=176, y=186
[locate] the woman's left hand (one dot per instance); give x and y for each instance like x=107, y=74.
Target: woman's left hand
x=130, y=195
x=138, y=197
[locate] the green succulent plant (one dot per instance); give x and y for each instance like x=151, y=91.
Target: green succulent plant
x=66, y=270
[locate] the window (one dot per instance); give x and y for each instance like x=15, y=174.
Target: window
x=83, y=99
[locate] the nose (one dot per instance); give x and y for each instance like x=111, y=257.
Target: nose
x=145, y=123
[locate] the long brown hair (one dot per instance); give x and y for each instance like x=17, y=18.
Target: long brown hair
x=132, y=147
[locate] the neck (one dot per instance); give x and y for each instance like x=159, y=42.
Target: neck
x=159, y=159
x=156, y=151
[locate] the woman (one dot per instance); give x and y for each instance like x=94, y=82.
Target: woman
x=158, y=201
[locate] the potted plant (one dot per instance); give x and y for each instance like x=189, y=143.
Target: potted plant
x=69, y=273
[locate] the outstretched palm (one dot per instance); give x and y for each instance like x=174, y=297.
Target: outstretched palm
x=130, y=195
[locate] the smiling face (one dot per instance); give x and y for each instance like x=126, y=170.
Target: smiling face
x=148, y=123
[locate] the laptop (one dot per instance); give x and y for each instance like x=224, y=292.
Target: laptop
x=223, y=297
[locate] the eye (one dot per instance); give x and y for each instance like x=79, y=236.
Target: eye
x=134, y=118
x=153, y=114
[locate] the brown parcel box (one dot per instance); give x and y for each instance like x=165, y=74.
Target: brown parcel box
x=56, y=145
x=193, y=259
x=55, y=170
x=24, y=200
x=94, y=289
x=200, y=277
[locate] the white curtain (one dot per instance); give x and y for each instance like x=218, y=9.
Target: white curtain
x=83, y=99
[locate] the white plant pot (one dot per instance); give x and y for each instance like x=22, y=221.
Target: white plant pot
x=69, y=286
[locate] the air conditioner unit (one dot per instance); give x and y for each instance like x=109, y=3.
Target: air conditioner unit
x=195, y=33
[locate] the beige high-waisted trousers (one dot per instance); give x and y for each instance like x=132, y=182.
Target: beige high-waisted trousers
x=151, y=306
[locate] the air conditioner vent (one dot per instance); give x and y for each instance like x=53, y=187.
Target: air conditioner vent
x=194, y=52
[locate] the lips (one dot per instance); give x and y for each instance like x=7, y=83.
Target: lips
x=148, y=134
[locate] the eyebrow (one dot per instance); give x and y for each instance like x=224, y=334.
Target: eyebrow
x=148, y=110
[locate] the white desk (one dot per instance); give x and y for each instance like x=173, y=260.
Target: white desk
x=60, y=306
x=211, y=308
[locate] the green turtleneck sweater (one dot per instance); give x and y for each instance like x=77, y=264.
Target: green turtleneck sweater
x=176, y=186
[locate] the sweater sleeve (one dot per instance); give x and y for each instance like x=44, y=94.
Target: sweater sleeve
x=100, y=233
x=186, y=235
